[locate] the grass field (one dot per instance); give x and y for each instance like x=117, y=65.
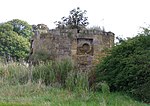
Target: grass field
x=40, y=95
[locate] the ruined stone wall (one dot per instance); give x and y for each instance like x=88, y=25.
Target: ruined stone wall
x=89, y=45
x=83, y=48
x=56, y=44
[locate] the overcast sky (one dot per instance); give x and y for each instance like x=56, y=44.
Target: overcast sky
x=123, y=17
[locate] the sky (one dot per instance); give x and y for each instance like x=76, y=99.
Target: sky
x=122, y=17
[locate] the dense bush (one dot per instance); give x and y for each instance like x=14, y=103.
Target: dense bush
x=127, y=67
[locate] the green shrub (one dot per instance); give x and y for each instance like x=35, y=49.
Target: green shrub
x=127, y=67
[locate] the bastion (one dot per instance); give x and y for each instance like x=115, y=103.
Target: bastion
x=83, y=47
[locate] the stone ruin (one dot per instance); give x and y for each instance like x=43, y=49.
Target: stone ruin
x=84, y=47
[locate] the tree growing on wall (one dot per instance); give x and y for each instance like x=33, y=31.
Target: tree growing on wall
x=76, y=19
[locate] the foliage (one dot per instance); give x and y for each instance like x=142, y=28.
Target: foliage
x=14, y=73
x=76, y=19
x=16, y=90
x=14, y=39
x=22, y=28
x=106, y=91
x=127, y=67
x=61, y=74
x=39, y=56
x=56, y=74
x=12, y=45
x=52, y=73
x=77, y=81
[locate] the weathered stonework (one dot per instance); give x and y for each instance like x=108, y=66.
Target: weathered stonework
x=83, y=48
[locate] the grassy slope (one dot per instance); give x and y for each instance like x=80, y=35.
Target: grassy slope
x=39, y=95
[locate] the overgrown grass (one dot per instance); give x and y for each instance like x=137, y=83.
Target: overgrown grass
x=31, y=95
x=54, y=84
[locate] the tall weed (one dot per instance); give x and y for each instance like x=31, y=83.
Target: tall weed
x=52, y=73
x=14, y=73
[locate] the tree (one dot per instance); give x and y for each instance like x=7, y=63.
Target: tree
x=14, y=39
x=76, y=19
x=127, y=67
x=22, y=28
